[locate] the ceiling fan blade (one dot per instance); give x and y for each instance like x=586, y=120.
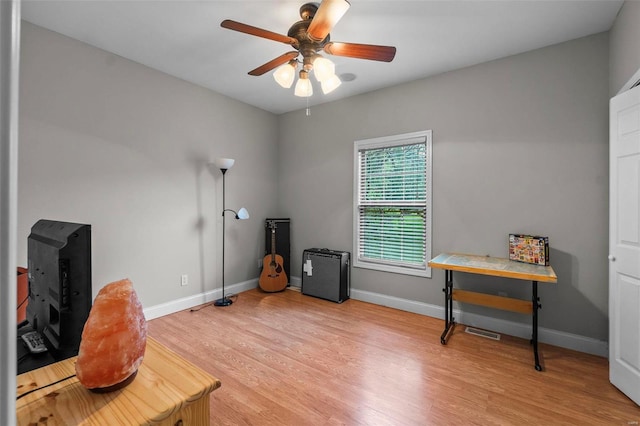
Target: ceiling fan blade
x=326, y=17
x=361, y=51
x=259, y=32
x=282, y=59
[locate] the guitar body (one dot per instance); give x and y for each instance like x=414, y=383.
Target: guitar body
x=273, y=278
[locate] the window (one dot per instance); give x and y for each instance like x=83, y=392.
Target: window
x=392, y=203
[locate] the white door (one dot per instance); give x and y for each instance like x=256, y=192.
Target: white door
x=624, y=243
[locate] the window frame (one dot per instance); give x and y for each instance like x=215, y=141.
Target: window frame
x=387, y=142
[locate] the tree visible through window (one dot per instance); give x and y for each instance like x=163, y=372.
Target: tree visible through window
x=393, y=203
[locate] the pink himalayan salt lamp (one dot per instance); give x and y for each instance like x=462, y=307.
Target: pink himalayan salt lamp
x=114, y=339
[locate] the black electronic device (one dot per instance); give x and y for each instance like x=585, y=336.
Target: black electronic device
x=326, y=274
x=30, y=358
x=34, y=342
x=60, y=291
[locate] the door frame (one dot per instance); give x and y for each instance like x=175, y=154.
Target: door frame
x=633, y=82
x=9, y=74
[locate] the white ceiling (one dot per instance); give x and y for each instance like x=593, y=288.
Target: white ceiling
x=183, y=38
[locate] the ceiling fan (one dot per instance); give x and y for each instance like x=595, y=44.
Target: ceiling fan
x=310, y=36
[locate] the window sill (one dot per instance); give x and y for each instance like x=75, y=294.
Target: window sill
x=426, y=273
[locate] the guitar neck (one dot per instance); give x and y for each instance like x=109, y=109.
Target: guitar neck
x=273, y=244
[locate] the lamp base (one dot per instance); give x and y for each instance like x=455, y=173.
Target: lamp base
x=225, y=301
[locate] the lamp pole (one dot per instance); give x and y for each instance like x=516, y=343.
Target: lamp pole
x=223, y=301
x=225, y=164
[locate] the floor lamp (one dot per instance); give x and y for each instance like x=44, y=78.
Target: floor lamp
x=225, y=164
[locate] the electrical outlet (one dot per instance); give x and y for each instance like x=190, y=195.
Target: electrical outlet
x=184, y=279
x=259, y=263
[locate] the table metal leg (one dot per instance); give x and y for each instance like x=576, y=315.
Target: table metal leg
x=534, y=341
x=449, y=321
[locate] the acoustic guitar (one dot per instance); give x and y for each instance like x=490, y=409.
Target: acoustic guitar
x=273, y=278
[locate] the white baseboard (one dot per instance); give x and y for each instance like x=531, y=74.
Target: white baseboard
x=545, y=335
x=197, y=299
x=523, y=330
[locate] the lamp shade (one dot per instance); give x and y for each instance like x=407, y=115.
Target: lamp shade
x=224, y=163
x=285, y=74
x=242, y=213
x=303, y=86
x=330, y=84
x=323, y=68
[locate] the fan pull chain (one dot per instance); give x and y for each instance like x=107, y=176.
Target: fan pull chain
x=308, y=112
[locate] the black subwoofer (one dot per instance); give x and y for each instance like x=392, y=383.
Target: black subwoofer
x=325, y=274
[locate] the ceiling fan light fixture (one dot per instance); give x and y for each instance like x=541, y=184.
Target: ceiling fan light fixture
x=323, y=68
x=309, y=37
x=285, y=74
x=330, y=84
x=303, y=86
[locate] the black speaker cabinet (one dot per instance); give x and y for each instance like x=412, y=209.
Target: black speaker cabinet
x=279, y=230
x=325, y=274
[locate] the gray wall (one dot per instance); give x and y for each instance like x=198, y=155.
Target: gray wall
x=520, y=144
x=112, y=143
x=624, y=46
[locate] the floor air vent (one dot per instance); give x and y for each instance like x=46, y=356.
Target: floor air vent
x=482, y=333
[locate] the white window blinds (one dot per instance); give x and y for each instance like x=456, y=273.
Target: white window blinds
x=393, y=200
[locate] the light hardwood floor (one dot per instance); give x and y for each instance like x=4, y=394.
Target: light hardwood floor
x=289, y=359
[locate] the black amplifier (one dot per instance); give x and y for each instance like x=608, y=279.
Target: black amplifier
x=326, y=274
